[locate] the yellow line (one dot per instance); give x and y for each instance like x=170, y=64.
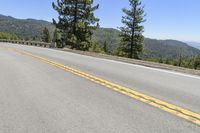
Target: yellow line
x=173, y=109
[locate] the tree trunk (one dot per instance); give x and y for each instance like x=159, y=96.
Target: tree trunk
x=75, y=17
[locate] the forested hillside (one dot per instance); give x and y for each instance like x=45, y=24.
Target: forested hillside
x=107, y=35
x=168, y=49
x=152, y=47
x=24, y=28
x=30, y=28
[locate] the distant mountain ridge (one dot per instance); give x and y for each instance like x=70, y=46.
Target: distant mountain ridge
x=31, y=28
x=168, y=49
x=152, y=47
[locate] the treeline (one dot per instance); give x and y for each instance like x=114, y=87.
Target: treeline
x=180, y=61
x=187, y=62
x=8, y=36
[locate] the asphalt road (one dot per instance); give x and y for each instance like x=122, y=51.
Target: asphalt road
x=36, y=97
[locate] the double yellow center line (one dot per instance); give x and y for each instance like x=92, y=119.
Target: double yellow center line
x=173, y=109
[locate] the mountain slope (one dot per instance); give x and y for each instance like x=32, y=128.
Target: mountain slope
x=152, y=47
x=24, y=28
x=168, y=49
x=108, y=35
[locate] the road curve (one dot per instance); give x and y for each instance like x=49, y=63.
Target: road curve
x=36, y=97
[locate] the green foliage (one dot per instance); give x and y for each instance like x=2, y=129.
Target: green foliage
x=197, y=62
x=56, y=39
x=132, y=38
x=27, y=29
x=180, y=60
x=46, y=36
x=171, y=49
x=187, y=62
x=105, y=47
x=153, y=49
x=167, y=61
x=161, y=60
x=108, y=35
x=96, y=48
x=76, y=21
x=34, y=38
x=8, y=36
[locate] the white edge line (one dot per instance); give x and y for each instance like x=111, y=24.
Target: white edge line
x=135, y=65
x=141, y=66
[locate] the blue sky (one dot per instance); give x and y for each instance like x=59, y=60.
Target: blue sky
x=166, y=19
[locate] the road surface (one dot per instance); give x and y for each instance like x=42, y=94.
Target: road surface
x=36, y=97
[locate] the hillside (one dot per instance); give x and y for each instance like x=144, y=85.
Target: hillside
x=108, y=35
x=168, y=49
x=29, y=28
x=152, y=47
x=24, y=28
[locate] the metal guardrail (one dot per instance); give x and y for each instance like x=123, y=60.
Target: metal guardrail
x=31, y=43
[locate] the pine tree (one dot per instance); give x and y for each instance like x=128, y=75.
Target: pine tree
x=131, y=34
x=180, y=60
x=105, y=47
x=76, y=21
x=46, y=36
x=160, y=60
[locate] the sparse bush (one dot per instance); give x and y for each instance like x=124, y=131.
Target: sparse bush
x=95, y=48
x=197, y=62
x=8, y=36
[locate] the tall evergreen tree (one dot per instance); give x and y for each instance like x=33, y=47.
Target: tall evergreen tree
x=131, y=34
x=76, y=21
x=46, y=35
